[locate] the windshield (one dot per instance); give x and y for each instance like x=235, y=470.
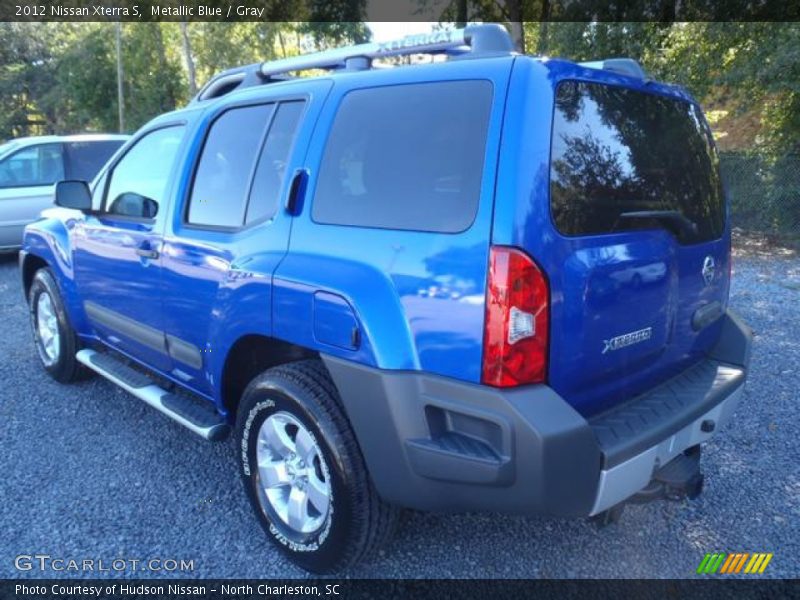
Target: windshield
x=622, y=160
x=7, y=147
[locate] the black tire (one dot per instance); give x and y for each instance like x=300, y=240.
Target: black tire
x=64, y=368
x=359, y=521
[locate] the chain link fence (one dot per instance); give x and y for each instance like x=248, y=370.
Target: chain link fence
x=764, y=194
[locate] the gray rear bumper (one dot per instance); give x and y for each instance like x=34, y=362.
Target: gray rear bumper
x=621, y=481
x=432, y=443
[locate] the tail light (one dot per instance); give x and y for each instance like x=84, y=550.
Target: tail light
x=515, y=338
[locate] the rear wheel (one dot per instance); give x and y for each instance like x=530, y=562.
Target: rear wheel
x=304, y=473
x=55, y=340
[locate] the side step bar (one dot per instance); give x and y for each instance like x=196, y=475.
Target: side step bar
x=195, y=415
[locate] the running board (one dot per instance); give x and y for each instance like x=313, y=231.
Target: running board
x=195, y=415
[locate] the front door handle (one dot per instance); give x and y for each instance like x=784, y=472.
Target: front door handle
x=146, y=250
x=147, y=253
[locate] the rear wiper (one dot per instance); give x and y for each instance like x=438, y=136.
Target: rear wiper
x=671, y=218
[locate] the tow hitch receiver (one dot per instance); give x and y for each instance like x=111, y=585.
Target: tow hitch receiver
x=678, y=479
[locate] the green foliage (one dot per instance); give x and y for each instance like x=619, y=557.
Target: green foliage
x=755, y=66
x=763, y=192
x=220, y=46
x=62, y=77
x=154, y=80
x=745, y=67
x=79, y=96
x=26, y=72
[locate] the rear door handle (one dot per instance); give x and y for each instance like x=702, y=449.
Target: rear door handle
x=296, y=191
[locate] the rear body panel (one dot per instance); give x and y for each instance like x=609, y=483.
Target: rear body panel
x=417, y=295
x=622, y=303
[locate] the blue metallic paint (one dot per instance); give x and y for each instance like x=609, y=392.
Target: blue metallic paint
x=217, y=285
x=419, y=295
x=417, y=298
x=595, y=294
x=335, y=322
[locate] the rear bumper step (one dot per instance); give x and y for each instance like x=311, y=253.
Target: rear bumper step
x=196, y=416
x=623, y=480
x=642, y=423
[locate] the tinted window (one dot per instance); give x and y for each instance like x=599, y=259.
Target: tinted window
x=32, y=166
x=143, y=171
x=222, y=180
x=406, y=157
x=617, y=151
x=271, y=169
x=85, y=159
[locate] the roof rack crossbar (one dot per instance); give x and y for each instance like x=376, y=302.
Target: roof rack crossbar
x=487, y=38
x=474, y=40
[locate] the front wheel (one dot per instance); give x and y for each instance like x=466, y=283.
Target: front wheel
x=55, y=340
x=303, y=471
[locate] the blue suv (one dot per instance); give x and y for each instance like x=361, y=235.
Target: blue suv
x=485, y=281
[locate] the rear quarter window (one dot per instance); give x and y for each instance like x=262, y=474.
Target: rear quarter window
x=222, y=180
x=406, y=157
x=616, y=151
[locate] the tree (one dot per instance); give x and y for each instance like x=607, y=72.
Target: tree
x=187, y=53
x=510, y=12
x=61, y=77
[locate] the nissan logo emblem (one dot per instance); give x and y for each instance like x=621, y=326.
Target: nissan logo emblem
x=708, y=269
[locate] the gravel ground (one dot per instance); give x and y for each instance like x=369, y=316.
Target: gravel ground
x=91, y=472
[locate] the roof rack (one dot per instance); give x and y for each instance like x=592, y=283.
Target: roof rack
x=625, y=66
x=474, y=40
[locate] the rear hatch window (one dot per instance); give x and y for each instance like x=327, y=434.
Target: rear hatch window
x=624, y=160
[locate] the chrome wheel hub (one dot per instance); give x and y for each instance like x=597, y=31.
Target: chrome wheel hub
x=294, y=481
x=47, y=327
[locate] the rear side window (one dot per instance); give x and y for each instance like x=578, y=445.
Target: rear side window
x=243, y=165
x=616, y=151
x=222, y=180
x=271, y=169
x=406, y=157
x=85, y=159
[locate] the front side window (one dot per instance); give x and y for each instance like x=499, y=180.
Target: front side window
x=138, y=183
x=623, y=159
x=33, y=166
x=406, y=157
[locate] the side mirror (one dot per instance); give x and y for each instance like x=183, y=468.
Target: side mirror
x=131, y=204
x=73, y=194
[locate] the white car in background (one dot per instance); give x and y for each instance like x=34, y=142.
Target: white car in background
x=30, y=168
